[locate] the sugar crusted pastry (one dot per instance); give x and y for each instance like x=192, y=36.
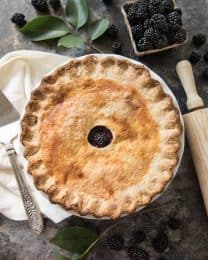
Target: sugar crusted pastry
x=101, y=137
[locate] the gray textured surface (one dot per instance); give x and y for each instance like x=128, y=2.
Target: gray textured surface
x=182, y=198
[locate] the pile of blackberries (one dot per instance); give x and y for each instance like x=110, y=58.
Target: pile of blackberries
x=155, y=24
x=40, y=5
x=160, y=242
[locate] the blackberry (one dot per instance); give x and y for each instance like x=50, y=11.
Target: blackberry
x=146, y=24
x=178, y=10
x=160, y=242
x=108, y=2
x=117, y=47
x=55, y=4
x=137, y=31
x=144, y=44
x=195, y=57
x=174, y=21
x=154, y=10
x=154, y=2
x=100, y=136
x=141, y=13
x=112, y=31
x=116, y=242
x=167, y=6
x=154, y=7
x=175, y=223
x=18, y=19
x=40, y=5
x=152, y=35
x=177, y=37
x=158, y=21
x=180, y=36
x=205, y=73
x=205, y=56
x=135, y=253
x=134, y=6
x=131, y=13
x=139, y=236
x=199, y=39
x=131, y=17
x=143, y=3
x=162, y=42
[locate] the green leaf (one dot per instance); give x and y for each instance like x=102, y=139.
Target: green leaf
x=74, y=239
x=77, y=12
x=98, y=28
x=44, y=28
x=70, y=41
x=58, y=256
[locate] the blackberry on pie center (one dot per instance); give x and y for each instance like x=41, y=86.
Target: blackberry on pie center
x=100, y=136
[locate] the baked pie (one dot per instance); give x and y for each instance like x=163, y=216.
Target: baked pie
x=101, y=136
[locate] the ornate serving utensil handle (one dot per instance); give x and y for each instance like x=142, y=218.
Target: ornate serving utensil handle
x=35, y=218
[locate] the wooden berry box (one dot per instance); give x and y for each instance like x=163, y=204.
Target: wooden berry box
x=138, y=53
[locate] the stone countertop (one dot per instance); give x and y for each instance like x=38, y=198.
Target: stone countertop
x=182, y=198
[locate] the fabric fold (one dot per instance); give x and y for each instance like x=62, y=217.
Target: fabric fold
x=20, y=72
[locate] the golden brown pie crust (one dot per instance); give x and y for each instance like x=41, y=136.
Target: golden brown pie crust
x=122, y=176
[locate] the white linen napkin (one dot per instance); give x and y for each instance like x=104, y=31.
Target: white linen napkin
x=20, y=72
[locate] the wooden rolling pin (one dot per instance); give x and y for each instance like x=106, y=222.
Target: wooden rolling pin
x=196, y=126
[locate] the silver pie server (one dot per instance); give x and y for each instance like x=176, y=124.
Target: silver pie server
x=8, y=126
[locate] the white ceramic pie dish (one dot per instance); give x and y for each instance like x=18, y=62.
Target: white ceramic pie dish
x=166, y=90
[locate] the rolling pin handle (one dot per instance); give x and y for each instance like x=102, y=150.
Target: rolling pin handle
x=185, y=73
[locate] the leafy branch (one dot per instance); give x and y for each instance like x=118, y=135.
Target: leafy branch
x=77, y=240
x=66, y=30
x=80, y=241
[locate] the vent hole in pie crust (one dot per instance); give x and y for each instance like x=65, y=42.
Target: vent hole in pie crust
x=100, y=136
